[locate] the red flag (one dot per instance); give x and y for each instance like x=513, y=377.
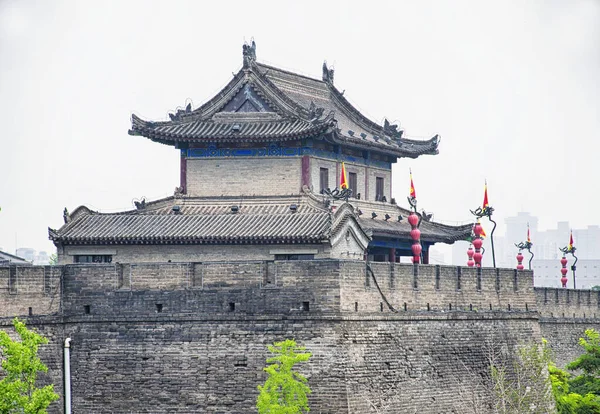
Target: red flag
x=483, y=233
x=343, y=178
x=413, y=194
x=485, y=198
x=528, y=237
x=571, y=241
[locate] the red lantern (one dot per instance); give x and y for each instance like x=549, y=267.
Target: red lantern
x=415, y=234
x=520, y=261
x=470, y=262
x=413, y=219
x=416, y=249
x=477, y=243
x=477, y=229
x=477, y=257
x=564, y=271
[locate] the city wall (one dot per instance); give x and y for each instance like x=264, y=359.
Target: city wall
x=192, y=337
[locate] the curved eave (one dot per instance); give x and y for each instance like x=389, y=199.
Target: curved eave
x=189, y=240
x=431, y=232
x=406, y=149
x=223, y=132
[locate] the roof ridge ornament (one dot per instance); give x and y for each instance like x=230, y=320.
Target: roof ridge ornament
x=249, y=53
x=391, y=130
x=327, y=73
x=314, y=112
x=177, y=115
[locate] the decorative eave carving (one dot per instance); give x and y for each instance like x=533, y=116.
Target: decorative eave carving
x=391, y=130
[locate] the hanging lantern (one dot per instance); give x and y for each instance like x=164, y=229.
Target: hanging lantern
x=477, y=243
x=477, y=229
x=520, y=261
x=415, y=235
x=470, y=254
x=564, y=271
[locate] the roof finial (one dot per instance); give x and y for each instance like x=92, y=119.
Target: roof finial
x=249, y=53
x=327, y=73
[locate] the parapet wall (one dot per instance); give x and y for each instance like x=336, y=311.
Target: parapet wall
x=30, y=290
x=262, y=287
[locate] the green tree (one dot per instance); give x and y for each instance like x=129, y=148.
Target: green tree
x=53, y=259
x=285, y=391
x=20, y=367
x=589, y=365
x=569, y=402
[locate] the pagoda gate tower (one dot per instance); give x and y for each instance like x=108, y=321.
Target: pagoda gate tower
x=260, y=163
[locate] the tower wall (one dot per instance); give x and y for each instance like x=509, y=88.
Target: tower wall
x=243, y=176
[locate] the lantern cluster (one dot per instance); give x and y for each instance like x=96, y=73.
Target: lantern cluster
x=470, y=254
x=564, y=271
x=520, y=261
x=477, y=243
x=415, y=235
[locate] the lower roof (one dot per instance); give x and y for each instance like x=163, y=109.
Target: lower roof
x=305, y=219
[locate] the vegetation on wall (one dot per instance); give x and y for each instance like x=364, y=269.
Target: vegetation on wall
x=19, y=369
x=285, y=391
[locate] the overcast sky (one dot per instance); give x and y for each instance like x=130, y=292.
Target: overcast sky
x=513, y=88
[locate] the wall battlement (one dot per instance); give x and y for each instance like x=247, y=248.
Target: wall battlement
x=568, y=303
x=257, y=287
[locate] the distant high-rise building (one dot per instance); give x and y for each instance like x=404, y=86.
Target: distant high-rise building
x=26, y=253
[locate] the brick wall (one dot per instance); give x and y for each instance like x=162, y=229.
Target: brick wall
x=193, y=253
x=204, y=347
x=243, y=176
x=24, y=287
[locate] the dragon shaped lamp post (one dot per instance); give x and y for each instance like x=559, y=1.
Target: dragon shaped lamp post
x=477, y=243
x=525, y=246
x=470, y=253
x=486, y=211
x=570, y=249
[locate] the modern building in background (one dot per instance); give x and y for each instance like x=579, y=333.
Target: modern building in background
x=32, y=256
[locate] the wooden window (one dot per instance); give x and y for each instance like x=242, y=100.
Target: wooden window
x=323, y=179
x=352, y=183
x=294, y=257
x=96, y=258
x=379, y=189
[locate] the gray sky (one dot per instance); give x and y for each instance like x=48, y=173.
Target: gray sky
x=513, y=88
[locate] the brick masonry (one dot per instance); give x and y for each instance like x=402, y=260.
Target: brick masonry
x=192, y=337
x=243, y=176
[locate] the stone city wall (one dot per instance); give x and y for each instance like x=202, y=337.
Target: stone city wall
x=192, y=337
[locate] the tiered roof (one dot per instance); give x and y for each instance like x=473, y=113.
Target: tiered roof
x=264, y=103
